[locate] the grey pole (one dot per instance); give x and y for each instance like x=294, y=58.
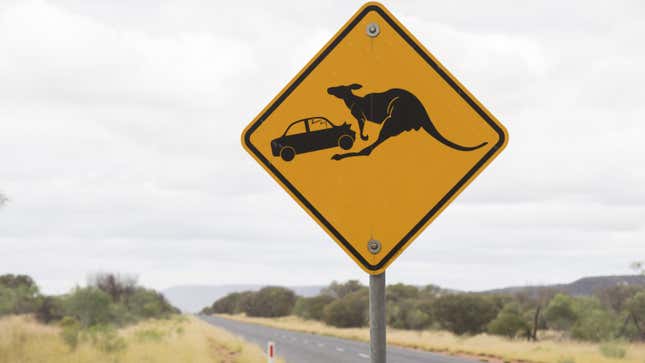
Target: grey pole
x=377, y=318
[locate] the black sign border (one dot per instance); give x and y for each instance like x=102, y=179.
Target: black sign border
x=441, y=203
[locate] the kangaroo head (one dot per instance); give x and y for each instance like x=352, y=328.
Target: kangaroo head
x=343, y=92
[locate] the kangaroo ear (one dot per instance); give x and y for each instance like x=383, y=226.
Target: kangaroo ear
x=355, y=86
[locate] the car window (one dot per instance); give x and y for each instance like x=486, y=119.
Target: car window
x=317, y=124
x=297, y=128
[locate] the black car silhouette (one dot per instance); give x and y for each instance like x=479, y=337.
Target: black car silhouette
x=311, y=134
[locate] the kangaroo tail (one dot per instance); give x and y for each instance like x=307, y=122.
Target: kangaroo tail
x=432, y=130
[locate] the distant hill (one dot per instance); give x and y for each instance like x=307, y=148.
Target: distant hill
x=193, y=298
x=583, y=287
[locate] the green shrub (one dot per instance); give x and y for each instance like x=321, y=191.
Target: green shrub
x=300, y=308
x=464, y=313
x=70, y=330
x=596, y=325
x=613, y=350
x=509, y=322
x=408, y=314
x=121, y=315
x=92, y=306
x=229, y=304
x=634, y=318
x=271, y=302
x=108, y=299
x=416, y=319
x=636, y=306
x=146, y=304
x=12, y=281
x=89, y=305
x=18, y=294
x=245, y=302
x=349, y=311
x=7, y=301
x=312, y=307
x=560, y=313
x=399, y=292
x=429, y=292
x=50, y=308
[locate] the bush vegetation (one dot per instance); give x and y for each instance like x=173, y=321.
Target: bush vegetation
x=271, y=301
x=617, y=313
x=18, y=294
x=108, y=302
x=312, y=308
x=348, y=311
x=510, y=322
x=464, y=313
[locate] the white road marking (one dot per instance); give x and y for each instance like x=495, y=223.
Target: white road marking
x=340, y=349
x=363, y=355
x=321, y=345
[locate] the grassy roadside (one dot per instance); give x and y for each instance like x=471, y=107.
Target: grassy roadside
x=181, y=339
x=485, y=347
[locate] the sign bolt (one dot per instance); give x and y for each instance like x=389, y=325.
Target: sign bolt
x=374, y=246
x=373, y=30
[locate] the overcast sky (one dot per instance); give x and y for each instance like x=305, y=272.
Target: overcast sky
x=120, y=150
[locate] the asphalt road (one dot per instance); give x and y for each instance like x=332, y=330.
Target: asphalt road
x=297, y=347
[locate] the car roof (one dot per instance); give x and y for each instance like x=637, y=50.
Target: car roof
x=310, y=118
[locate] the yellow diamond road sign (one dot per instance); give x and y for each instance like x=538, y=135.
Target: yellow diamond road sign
x=374, y=138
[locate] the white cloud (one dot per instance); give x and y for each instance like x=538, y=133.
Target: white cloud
x=60, y=56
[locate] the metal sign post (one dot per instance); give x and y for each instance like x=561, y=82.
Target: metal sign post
x=377, y=318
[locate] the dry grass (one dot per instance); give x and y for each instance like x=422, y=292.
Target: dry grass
x=486, y=347
x=182, y=339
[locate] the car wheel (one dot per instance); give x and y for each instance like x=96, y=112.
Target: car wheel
x=345, y=142
x=287, y=153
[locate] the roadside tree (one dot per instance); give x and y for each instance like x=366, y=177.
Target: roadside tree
x=399, y=292
x=349, y=311
x=312, y=307
x=340, y=290
x=89, y=306
x=510, y=322
x=636, y=310
x=271, y=302
x=227, y=304
x=18, y=294
x=560, y=313
x=464, y=313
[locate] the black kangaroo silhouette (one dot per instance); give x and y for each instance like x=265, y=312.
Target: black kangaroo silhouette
x=397, y=109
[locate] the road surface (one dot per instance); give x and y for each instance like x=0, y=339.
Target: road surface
x=297, y=347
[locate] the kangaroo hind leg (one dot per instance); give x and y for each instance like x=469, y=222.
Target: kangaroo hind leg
x=388, y=130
